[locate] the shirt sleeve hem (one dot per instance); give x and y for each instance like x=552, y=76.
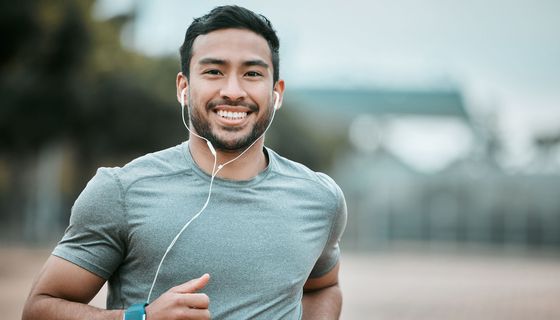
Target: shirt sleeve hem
x=81, y=263
x=319, y=273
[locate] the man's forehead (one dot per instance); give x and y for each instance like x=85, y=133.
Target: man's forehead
x=231, y=45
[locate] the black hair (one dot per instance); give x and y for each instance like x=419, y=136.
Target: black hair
x=236, y=17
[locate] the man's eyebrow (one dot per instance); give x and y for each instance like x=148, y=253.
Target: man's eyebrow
x=221, y=62
x=256, y=62
x=205, y=61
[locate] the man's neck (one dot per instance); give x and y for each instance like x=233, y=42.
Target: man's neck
x=248, y=166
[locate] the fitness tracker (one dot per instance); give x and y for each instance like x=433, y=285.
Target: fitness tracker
x=136, y=312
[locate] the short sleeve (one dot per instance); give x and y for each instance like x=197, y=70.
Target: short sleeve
x=331, y=253
x=94, y=239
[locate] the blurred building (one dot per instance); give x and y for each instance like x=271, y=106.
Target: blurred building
x=421, y=168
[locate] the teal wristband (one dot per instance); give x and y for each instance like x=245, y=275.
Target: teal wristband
x=136, y=312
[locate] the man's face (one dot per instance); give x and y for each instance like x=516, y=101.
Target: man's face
x=230, y=87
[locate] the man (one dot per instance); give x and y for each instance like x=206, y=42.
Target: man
x=218, y=227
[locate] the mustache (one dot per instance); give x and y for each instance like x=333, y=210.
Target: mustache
x=225, y=102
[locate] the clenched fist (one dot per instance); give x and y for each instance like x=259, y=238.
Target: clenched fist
x=182, y=302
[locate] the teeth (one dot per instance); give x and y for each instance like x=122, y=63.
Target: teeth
x=232, y=115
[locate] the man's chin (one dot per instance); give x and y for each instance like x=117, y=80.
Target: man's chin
x=231, y=140
x=231, y=146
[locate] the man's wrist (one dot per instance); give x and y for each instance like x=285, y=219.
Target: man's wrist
x=135, y=312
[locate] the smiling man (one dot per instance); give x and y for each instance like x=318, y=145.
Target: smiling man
x=218, y=227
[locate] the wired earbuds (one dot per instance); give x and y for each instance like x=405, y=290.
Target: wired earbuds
x=215, y=170
x=208, y=143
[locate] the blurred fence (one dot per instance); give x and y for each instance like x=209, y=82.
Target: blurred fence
x=384, y=206
x=455, y=206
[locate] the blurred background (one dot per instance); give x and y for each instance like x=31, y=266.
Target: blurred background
x=440, y=120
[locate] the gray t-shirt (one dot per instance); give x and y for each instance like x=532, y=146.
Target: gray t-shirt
x=259, y=239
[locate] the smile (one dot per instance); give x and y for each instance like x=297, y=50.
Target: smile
x=232, y=115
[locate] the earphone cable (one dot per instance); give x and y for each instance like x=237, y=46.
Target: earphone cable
x=183, y=229
x=215, y=171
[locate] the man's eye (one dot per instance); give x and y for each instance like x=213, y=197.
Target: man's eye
x=213, y=72
x=253, y=74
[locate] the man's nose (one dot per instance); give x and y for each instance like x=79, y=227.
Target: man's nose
x=233, y=90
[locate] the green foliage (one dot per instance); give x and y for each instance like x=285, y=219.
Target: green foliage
x=65, y=75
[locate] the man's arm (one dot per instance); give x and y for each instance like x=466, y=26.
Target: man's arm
x=63, y=289
x=322, y=297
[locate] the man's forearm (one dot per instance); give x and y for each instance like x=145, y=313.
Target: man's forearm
x=44, y=307
x=322, y=304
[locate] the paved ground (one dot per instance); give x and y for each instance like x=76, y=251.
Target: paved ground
x=451, y=286
x=389, y=286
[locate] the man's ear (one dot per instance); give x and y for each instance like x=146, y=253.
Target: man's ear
x=182, y=85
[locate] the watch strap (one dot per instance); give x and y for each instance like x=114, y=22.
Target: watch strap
x=136, y=311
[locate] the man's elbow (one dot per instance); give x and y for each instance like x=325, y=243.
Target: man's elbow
x=32, y=309
x=28, y=312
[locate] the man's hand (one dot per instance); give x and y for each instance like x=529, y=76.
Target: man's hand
x=63, y=289
x=182, y=302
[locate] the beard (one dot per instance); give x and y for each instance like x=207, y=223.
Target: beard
x=203, y=128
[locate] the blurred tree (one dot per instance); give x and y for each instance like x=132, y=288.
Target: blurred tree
x=70, y=77
x=66, y=80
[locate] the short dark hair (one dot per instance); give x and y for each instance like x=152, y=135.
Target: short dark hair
x=225, y=17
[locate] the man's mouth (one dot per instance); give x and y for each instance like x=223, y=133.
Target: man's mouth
x=229, y=115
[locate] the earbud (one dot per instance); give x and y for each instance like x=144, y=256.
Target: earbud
x=183, y=97
x=276, y=101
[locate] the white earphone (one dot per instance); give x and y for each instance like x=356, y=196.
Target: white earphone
x=210, y=146
x=276, y=100
x=215, y=171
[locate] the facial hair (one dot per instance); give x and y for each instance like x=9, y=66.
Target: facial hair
x=202, y=126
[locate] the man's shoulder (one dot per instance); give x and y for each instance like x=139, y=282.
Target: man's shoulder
x=293, y=169
x=156, y=164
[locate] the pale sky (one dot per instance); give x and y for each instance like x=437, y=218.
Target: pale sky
x=504, y=56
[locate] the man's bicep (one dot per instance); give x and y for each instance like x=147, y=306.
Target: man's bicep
x=62, y=279
x=327, y=280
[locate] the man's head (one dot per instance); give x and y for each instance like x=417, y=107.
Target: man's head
x=230, y=77
x=231, y=17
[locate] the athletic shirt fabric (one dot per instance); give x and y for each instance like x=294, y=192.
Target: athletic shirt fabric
x=259, y=239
